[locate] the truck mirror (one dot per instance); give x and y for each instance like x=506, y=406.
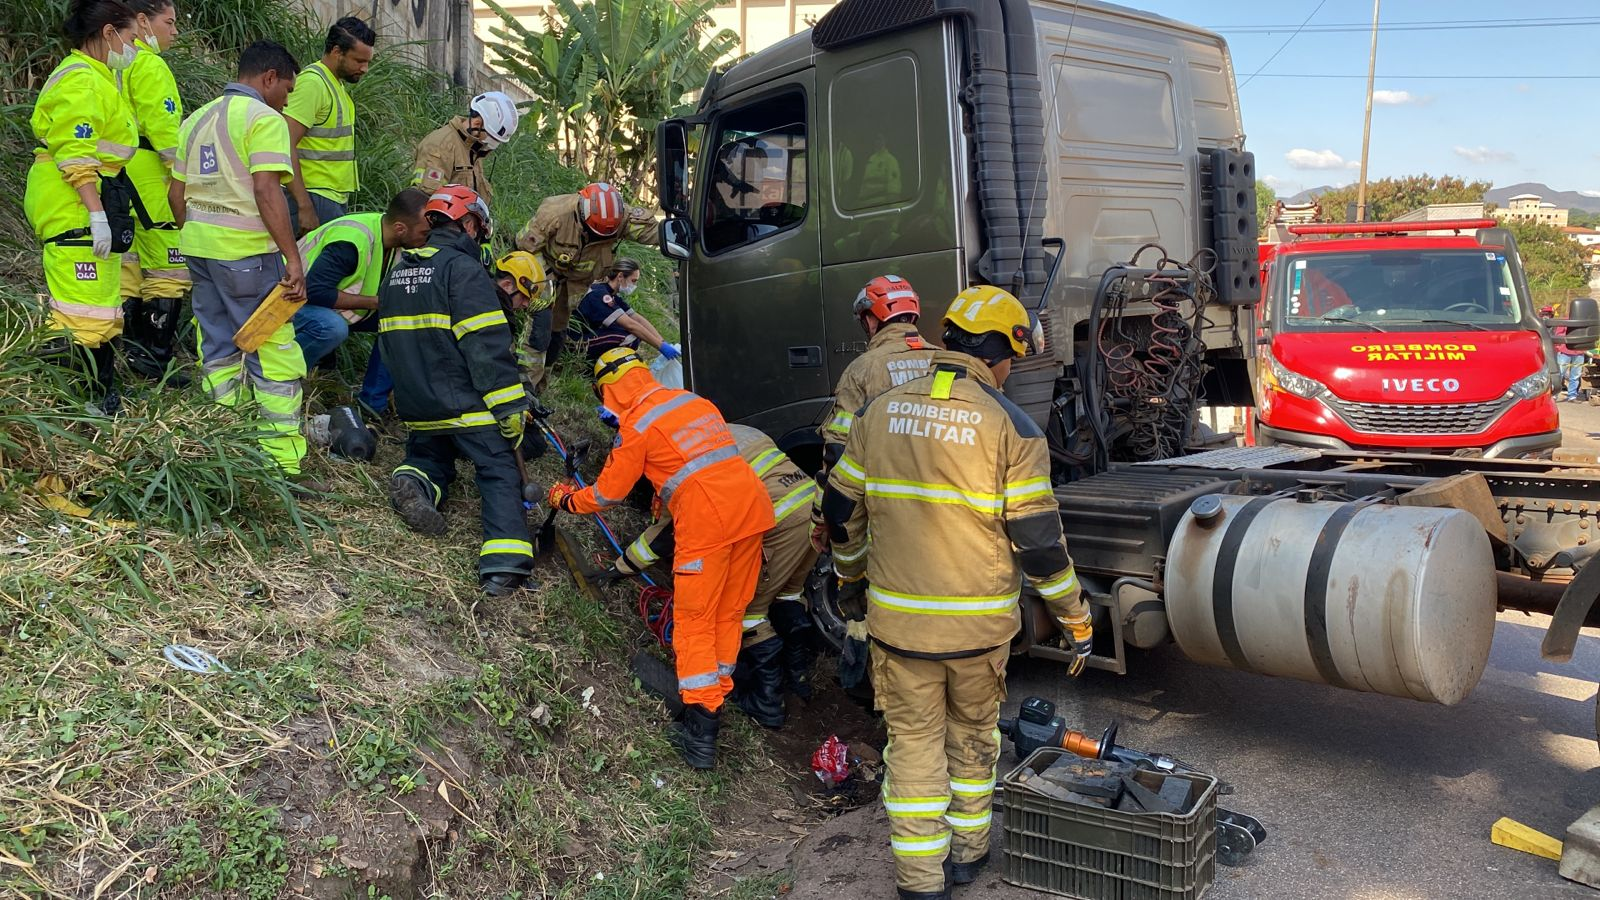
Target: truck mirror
x=676, y=238
x=1585, y=332
x=672, y=167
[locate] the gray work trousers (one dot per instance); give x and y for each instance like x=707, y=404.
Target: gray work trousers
x=226, y=293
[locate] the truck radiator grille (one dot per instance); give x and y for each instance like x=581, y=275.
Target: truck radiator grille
x=1421, y=418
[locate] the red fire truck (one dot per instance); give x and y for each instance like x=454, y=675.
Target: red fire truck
x=1413, y=336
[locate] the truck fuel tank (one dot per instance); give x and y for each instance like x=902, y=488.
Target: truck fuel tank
x=1372, y=597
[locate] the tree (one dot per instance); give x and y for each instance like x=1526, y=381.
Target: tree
x=1266, y=198
x=604, y=73
x=1388, y=198
x=1583, y=218
x=1551, y=261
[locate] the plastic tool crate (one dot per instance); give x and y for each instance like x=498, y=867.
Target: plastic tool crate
x=1084, y=851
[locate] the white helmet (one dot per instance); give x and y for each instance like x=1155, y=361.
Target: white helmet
x=499, y=117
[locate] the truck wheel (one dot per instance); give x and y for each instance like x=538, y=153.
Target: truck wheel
x=822, y=592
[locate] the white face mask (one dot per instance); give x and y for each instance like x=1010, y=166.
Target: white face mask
x=121, y=58
x=627, y=289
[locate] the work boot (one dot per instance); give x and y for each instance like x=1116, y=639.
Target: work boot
x=793, y=623
x=410, y=499
x=758, y=683
x=967, y=872
x=499, y=584
x=694, y=733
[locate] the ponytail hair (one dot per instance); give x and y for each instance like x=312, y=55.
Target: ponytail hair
x=148, y=7
x=87, y=18
x=622, y=266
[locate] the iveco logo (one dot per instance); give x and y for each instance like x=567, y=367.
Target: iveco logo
x=1422, y=385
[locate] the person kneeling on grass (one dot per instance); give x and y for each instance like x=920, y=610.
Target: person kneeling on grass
x=456, y=385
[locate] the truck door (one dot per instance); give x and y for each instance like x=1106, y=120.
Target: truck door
x=891, y=155
x=752, y=310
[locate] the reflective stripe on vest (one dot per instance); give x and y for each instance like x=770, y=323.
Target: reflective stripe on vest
x=694, y=465
x=328, y=150
x=219, y=193
x=363, y=231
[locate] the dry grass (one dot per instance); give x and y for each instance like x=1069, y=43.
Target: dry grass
x=369, y=678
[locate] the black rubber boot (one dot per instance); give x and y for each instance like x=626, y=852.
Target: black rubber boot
x=409, y=497
x=150, y=338
x=967, y=872
x=500, y=584
x=101, y=367
x=558, y=341
x=695, y=735
x=794, y=626
x=758, y=683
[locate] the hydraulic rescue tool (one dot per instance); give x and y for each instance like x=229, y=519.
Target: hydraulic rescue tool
x=1037, y=725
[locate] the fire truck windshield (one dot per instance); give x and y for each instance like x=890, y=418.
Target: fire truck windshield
x=1397, y=290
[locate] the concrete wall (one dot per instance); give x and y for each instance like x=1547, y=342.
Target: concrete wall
x=444, y=26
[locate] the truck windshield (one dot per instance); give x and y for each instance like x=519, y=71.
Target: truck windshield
x=1397, y=290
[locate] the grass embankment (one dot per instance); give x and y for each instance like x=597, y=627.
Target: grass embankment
x=382, y=729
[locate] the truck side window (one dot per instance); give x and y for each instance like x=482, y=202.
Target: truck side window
x=759, y=174
x=875, y=143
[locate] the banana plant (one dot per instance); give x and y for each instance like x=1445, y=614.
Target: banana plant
x=605, y=72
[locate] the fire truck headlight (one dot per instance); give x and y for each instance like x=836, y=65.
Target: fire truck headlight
x=1531, y=387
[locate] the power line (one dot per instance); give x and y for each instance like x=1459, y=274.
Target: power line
x=1284, y=44
x=1496, y=77
x=1420, y=24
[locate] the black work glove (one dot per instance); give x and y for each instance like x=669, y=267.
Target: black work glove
x=853, y=657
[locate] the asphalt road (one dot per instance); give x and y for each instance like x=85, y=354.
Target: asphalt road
x=1364, y=797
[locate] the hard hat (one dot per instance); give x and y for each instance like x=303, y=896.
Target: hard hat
x=525, y=270
x=601, y=208
x=454, y=201
x=888, y=296
x=1547, y=310
x=985, y=309
x=613, y=363
x=499, y=117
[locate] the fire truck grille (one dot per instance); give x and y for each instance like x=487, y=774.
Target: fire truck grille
x=1422, y=418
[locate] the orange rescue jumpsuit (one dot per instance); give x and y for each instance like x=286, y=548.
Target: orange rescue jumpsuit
x=680, y=442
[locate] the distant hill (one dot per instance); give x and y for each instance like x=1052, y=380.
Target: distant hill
x=1563, y=199
x=1309, y=194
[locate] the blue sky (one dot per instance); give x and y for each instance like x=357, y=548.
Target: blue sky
x=1507, y=128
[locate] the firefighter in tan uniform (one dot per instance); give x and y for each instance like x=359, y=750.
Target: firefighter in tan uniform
x=454, y=152
x=577, y=235
x=939, y=506
x=778, y=639
x=888, y=309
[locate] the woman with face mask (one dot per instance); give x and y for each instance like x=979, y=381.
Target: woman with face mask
x=154, y=277
x=86, y=136
x=608, y=322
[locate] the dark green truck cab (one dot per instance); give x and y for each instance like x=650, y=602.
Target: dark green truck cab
x=1026, y=144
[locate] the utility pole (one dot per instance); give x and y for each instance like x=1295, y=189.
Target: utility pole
x=1366, y=130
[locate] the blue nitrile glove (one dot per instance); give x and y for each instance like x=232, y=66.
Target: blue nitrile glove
x=607, y=417
x=671, y=351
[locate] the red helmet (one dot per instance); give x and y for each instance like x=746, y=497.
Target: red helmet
x=601, y=208
x=454, y=201
x=888, y=296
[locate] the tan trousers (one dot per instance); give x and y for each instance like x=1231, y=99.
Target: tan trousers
x=943, y=746
x=787, y=558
